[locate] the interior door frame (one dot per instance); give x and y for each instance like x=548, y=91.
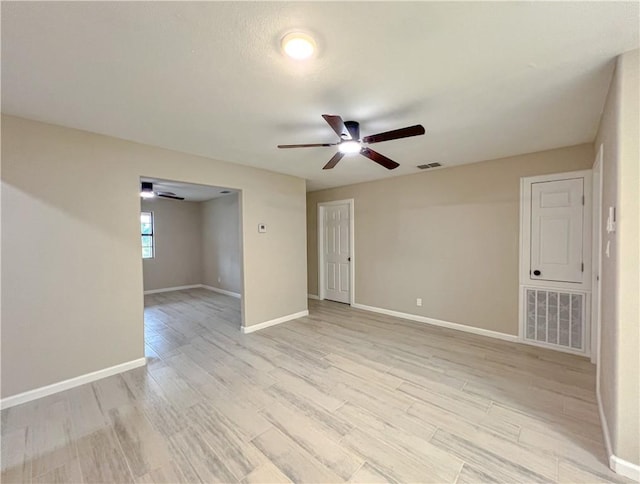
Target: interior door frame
x=525, y=281
x=352, y=248
x=596, y=256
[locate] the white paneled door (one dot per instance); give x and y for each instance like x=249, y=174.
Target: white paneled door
x=336, y=241
x=557, y=213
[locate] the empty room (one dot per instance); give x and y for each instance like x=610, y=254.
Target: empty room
x=320, y=242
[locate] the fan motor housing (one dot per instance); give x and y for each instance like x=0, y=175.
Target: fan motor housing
x=354, y=129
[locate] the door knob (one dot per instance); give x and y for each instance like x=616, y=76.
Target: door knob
x=536, y=272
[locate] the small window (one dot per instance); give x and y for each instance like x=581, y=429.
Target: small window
x=146, y=231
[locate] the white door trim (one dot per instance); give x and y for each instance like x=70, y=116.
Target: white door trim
x=596, y=257
x=352, y=248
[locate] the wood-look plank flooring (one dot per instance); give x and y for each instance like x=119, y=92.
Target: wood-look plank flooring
x=339, y=396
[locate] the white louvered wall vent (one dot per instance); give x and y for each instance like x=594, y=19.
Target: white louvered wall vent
x=555, y=317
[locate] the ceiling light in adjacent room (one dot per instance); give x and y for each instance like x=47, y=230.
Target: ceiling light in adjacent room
x=298, y=45
x=146, y=190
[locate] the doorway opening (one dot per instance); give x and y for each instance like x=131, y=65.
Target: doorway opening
x=336, y=251
x=191, y=250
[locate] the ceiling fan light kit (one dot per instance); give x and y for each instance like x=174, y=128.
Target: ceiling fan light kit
x=349, y=147
x=350, y=142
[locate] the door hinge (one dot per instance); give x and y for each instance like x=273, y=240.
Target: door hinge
x=582, y=199
x=582, y=267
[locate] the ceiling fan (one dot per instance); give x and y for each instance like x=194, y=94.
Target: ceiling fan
x=146, y=191
x=350, y=142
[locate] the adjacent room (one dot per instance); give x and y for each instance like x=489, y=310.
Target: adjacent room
x=190, y=236
x=319, y=242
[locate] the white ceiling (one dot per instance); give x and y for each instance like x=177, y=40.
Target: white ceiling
x=487, y=80
x=190, y=191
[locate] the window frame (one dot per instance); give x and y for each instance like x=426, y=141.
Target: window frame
x=152, y=235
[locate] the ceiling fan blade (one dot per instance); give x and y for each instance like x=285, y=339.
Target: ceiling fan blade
x=378, y=158
x=173, y=196
x=308, y=145
x=333, y=161
x=337, y=124
x=416, y=130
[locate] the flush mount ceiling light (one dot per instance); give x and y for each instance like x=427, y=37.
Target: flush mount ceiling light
x=298, y=45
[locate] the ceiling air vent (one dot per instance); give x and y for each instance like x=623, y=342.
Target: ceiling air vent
x=429, y=165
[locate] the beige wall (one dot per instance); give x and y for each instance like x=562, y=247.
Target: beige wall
x=448, y=236
x=195, y=243
x=221, y=243
x=177, y=257
x=620, y=320
x=72, y=269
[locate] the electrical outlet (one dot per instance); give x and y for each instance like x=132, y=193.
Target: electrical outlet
x=419, y=301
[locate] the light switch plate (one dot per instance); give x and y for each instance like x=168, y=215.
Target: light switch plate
x=611, y=220
x=262, y=228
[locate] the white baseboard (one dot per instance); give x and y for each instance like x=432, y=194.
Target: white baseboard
x=313, y=296
x=70, y=383
x=605, y=426
x=194, y=286
x=624, y=468
x=273, y=322
x=617, y=465
x=170, y=289
x=438, y=322
x=221, y=291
